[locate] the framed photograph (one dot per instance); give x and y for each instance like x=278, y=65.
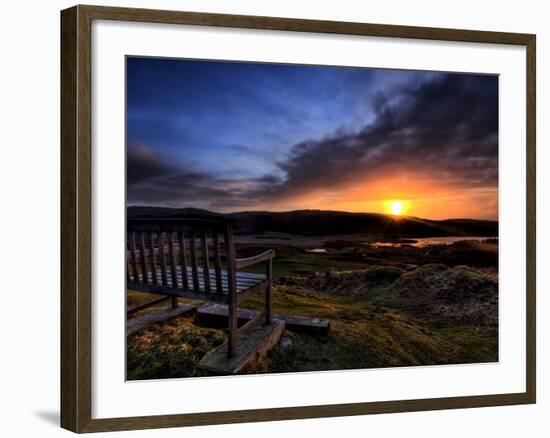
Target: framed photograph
x=269, y=218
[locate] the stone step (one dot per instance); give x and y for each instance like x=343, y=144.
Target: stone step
x=135, y=324
x=215, y=315
x=252, y=345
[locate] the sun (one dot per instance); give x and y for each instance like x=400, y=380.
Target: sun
x=396, y=207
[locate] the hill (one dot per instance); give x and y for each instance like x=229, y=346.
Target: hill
x=320, y=222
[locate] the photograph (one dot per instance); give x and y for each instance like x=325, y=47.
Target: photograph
x=288, y=218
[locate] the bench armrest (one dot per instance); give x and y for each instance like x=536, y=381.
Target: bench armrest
x=248, y=261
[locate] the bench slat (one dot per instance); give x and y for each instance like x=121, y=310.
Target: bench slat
x=217, y=262
x=205, y=262
x=162, y=256
x=242, y=279
x=240, y=287
x=143, y=257
x=194, y=260
x=173, y=259
x=152, y=256
x=183, y=260
x=133, y=256
x=128, y=268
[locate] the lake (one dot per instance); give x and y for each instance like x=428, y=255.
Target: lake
x=417, y=242
x=422, y=242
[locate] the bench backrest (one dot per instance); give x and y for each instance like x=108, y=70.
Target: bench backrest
x=188, y=247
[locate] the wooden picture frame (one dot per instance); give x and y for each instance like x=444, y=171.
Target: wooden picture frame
x=76, y=217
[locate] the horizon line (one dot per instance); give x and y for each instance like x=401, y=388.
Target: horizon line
x=313, y=209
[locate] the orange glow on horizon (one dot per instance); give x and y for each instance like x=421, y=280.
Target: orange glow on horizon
x=402, y=194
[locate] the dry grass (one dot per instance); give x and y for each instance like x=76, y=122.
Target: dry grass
x=169, y=350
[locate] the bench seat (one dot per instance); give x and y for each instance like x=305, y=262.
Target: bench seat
x=246, y=282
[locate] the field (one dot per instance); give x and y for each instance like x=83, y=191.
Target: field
x=390, y=303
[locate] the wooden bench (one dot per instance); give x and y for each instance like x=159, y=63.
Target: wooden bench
x=195, y=258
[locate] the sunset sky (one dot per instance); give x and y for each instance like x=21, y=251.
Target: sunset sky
x=245, y=136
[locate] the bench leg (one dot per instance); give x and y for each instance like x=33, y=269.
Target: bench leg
x=232, y=329
x=174, y=302
x=269, y=276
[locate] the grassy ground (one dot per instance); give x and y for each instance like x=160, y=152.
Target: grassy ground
x=344, y=255
x=296, y=261
x=381, y=316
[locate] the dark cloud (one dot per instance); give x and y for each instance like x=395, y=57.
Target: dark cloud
x=143, y=164
x=446, y=128
x=155, y=181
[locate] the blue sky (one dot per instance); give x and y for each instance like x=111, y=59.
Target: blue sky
x=209, y=113
x=243, y=131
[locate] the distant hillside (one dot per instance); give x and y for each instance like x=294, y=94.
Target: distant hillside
x=319, y=222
